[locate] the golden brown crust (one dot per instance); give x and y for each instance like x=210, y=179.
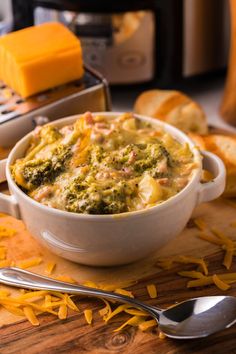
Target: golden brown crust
x=223, y=146
x=173, y=107
x=4, y=152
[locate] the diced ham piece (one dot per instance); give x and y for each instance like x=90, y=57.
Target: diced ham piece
x=44, y=192
x=132, y=157
x=163, y=181
x=89, y=118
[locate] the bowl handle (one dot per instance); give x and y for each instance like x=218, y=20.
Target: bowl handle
x=213, y=189
x=8, y=203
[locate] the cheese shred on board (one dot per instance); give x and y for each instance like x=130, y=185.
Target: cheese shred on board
x=152, y=291
x=88, y=314
x=30, y=304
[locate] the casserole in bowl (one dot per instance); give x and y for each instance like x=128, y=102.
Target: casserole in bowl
x=119, y=238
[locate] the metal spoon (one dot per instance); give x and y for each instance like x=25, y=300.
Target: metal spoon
x=194, y=318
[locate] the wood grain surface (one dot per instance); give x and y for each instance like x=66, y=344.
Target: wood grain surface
x=73, y=335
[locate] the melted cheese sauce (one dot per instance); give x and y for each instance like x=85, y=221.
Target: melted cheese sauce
x=102, y=166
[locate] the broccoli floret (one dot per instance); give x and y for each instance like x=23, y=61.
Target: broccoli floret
x=41, y=171
x=50, y=134
x=80, y=197
x=38, y=172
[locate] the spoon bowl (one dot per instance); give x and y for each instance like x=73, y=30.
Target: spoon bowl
x=198, y=317
x=193, y=318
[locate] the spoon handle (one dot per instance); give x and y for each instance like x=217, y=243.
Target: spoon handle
x=24, y=279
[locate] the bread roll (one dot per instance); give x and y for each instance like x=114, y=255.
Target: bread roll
x=174, y=108
x=4, y=152
x=223, y=146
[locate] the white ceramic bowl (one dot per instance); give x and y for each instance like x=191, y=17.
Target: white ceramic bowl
x=105, y=240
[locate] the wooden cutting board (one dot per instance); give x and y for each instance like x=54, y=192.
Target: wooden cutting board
x=73, y=335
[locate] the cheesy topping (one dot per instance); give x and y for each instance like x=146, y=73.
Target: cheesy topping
x=103, y=166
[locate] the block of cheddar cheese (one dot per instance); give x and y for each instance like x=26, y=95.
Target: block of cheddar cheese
x=38, y=58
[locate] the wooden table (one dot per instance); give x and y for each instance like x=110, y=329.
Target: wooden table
x=73, y=335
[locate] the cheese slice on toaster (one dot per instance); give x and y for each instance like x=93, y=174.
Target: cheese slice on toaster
x=39, y=58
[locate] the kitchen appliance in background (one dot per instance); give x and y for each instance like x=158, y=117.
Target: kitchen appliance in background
x=19, y=116
x=6, y=18
x=135, y=41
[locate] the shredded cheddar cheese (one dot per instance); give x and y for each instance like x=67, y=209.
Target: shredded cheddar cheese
x=200, y=223
x=184, y=260
x=88, y=314
x=66, y=279
x=191, y=274
x=30, y=304
x=207, y=280
x=210, y=238
x=106, y=311
x=152, y=291
x=228, y=258
x=6, y=231
x=48, y=300
x=3, y=253
x=70, y=303
x=220, y=283
x=147, y=324
x=6, y=263
x=119, y=309
x=124, y=292
x=136, y=312
x=27, y=263
x=133, y=321
x=50, y=267
x=14, y=310
x=30, y=315
x=233, y=223
x=162, y=335
x=62, y=313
